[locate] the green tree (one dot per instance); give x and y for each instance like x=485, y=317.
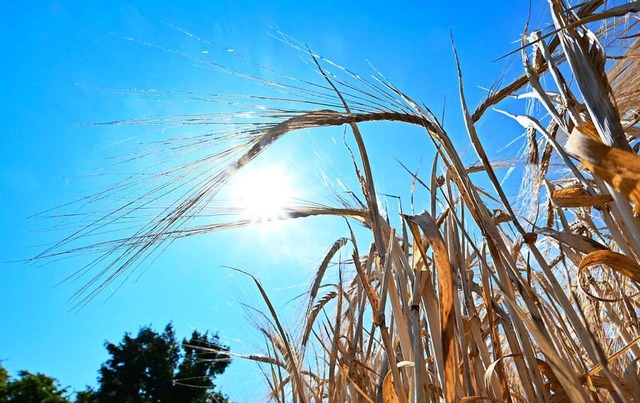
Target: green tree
x=4, y=379
x=86, y=396
x=154, y=367
x=30, y=388
x=200, y=364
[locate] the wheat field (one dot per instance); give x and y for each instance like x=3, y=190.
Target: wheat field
x=477, y=298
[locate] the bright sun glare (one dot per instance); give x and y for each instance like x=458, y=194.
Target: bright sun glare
x=263, y=193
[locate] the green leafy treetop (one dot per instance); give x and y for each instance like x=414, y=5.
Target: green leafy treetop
x=4, y=379
x=30, y=388
x=151, y=368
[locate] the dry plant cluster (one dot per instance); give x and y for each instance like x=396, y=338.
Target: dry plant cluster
x=477, y=299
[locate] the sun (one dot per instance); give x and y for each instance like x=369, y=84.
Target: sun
x=263, y=193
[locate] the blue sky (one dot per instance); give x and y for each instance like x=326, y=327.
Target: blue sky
x=61, y=64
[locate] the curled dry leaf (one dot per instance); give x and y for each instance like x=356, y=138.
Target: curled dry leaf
x=388, y=391
x=554, y=384
x=619, y=168
x=615, y=261
x=577, y=196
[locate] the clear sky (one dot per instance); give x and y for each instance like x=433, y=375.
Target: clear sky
x=61, y=63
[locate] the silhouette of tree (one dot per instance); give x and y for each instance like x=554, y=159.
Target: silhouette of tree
x=30, y=388
x=153, y=367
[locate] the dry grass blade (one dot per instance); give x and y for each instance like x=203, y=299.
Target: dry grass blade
x=291, y=359
x=445, y=294
x=586, y=55
x=580, y=243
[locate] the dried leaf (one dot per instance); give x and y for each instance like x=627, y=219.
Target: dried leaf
x=578, y=242
x=616, y=261
x=577, y=196
x=445, y=291
x=619, y=168
x=388, y=391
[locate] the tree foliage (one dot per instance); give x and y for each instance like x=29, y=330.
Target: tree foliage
x=4, y=379
x=154, y=367
x=30, y=388
x=150, y=367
